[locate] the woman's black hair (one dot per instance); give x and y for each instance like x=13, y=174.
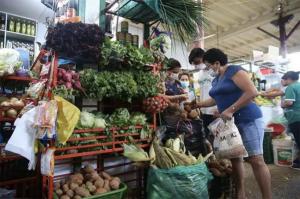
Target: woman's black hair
x=291, y=75
x=196, y=53
x=173, y=63
x=213, y=55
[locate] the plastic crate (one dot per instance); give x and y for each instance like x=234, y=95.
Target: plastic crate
x=116, y=194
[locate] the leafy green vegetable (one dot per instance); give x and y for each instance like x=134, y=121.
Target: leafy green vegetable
x=147, y=84
x=86, y=120
x=138, y=119
x=121, y=117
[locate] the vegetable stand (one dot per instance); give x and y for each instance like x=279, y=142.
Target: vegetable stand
x=100, y=143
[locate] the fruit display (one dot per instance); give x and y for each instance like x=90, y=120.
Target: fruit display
x=86, y=183
x=262, y=101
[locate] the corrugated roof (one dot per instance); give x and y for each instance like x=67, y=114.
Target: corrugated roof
x=235, y=24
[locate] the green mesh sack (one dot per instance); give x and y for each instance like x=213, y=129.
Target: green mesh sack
x=178, y=182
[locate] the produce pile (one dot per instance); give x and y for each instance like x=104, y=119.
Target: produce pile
x=114, y=55
x=262, y=101
x=220, y=168
x=119, y=85
x=68, y=83
x=155, y=104
x=170, y=155
x=120, y=118
x=76, y=40
x=9, y=61
x=10, y=107
x=87, y=182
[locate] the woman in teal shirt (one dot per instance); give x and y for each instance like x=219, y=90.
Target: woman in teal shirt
x=291, y=105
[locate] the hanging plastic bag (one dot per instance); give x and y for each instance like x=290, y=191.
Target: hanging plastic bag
x=35, y=89
x=178, y=182
x=46, y=120
x=22, y=140
x=47, y=162
x=67, y=118
x=228, y=142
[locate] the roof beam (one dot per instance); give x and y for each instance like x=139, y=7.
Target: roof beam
x=251, y=24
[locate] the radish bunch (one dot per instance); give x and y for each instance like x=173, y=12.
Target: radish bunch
x=69, y=78
x=155, y=104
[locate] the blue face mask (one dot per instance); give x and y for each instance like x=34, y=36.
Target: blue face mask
x=184, y=84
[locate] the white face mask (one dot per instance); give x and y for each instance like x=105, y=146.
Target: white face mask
x=200, y=66
x=213, y=73
x=184, y=84
x=174, y=76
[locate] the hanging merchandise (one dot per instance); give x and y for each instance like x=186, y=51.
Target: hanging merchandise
x=23, y=138
x=67, y=118
x=47, y=162
x=45, y=120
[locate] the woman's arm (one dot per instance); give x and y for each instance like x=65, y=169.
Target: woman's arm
x=242, y=80
x=206, y=103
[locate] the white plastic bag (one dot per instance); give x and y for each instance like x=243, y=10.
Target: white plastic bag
x=47, y=162
x=228, y=143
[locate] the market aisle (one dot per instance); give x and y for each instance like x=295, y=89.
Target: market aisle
x=285, y=183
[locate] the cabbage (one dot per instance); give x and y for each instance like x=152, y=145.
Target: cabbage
x=138, y=119
x=9, y=58
x=86, y=120
x=99, y=123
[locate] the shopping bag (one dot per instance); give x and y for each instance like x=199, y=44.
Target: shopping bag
x=67, y=118
x=228, y=143
x=178, y=182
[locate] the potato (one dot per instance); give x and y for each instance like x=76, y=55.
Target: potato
x=106, y=175
x=116, y=178
x=70, y=193
x=88, y=177
x=100, y=191
x=56, y=185
x=88, y=169
x=76, y=178
x=65, y=188
x=114, y=184
x=106, y=185
x=65, y=197
x=59, y=192
x=193, y=114
x=82, y=192
x=73, y=186
x=91, y=188
x=77, y=197
x=99, y=183
x=217, y=173
x=95, y=176
x=88, y=183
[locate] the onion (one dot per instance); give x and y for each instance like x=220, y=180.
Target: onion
x=12, y=113
x=18, y=103
x=13, y=99
x=5, y=103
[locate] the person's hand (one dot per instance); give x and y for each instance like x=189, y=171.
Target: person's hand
x=216, y=114
x=226, y=115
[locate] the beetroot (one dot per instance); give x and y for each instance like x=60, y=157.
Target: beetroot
x=68, y=85
x=77, y=85
x=67, y=77
x=75, y=76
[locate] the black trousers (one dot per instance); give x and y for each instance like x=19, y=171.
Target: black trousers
x=295, y=129
x=207, y=119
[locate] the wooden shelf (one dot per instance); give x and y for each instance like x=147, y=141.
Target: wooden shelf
x=20, y=36
x=13, y=77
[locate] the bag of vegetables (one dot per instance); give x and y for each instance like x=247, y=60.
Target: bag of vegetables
x=178, y=182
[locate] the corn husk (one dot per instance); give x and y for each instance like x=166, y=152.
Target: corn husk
x=135, y=153
x=162, y=160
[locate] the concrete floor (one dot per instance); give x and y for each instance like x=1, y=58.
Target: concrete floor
x=285, y=183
